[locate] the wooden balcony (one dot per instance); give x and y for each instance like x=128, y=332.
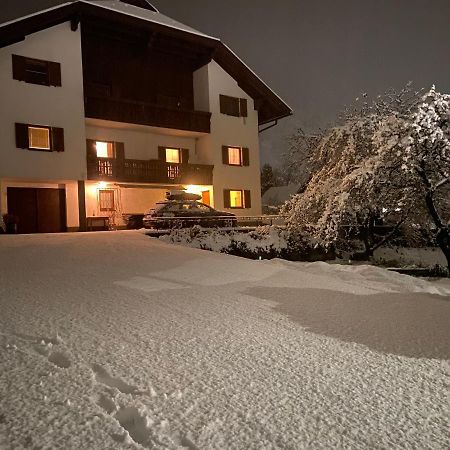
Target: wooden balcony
x=148, y=171
x=141, y=113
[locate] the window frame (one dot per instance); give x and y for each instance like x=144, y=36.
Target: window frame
x=178, y=150
x=241, y=192
x=111, y=192
x=40, y=149
x=109, y=143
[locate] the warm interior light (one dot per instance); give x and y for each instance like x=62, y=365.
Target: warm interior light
x=39, y=138
x=193, y=189
x=102, y=185
x=234, y=156
x=172, y=155
x=104, y=149
x=236, y=199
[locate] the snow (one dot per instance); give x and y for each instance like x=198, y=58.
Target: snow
x=116, y=340
x=145, y=14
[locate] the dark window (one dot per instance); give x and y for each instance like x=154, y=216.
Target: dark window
x=38, y=137
x=36, y=71
x=233, y=106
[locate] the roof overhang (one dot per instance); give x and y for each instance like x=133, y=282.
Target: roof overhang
x=269, y=105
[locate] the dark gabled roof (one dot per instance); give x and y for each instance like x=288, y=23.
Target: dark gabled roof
x=270, y=106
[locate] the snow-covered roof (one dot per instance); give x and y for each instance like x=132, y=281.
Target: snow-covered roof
x=144, y=14
x=277, y=195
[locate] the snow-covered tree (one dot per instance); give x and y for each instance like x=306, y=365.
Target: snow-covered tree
x=388, y=161
x=427, y=165
x=352, y=183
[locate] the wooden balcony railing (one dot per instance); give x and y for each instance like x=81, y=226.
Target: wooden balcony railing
x=141, y=113
x=148, y=171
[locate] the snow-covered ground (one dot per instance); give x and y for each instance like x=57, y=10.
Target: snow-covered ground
x=116, y=340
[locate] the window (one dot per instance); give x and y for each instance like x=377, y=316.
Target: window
x=235, y=156
x=104, y=149
x=36, y=71
x=38, y=137
x=106, y=199
x=173, y=155
x=236, y=198
x=233, y=106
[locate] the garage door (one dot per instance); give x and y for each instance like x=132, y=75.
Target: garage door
x=39, y=210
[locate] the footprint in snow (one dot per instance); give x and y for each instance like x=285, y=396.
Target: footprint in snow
x=59, y=359
x=103, y=377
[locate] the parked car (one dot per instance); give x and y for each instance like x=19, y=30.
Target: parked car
x=186, y=213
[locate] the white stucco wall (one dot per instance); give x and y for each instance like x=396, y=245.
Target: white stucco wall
x=43, y=105
x=230, y=131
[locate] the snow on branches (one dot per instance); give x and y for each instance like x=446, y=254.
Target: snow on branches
x=385, y=162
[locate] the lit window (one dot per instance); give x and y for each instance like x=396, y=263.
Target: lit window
x=172, y=155
x=39, y=138
x=236, y=200
x=104, y=149
x=106, y=199
x=234, y=156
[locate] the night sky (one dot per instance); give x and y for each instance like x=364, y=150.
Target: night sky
x=318, y=55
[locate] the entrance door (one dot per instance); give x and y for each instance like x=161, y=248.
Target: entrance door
x=39, y=210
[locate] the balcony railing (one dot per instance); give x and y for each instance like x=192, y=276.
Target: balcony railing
x=148, y=171
x=141, y=113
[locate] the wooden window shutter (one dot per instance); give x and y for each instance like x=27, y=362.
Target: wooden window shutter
x=57, y=139
x=18, y=66
x=119, y=151
x=184, y=155
x=91, y=149
x=234, y=107
x=245, y=156
x=162, y=153
x=243, y=107
x=247, y=199
x=54, y=74
x=225, y=154
x=226, y=198
x=223, y=104
x=22, y=139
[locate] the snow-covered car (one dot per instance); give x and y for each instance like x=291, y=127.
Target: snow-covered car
x=185, y=214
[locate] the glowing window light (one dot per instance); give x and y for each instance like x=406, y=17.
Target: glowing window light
x=236, y=200
x=104, y=149
x=173, y=155
x=234, y=156
x=39, y=138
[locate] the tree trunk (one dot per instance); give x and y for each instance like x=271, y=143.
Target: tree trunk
x=443, y=240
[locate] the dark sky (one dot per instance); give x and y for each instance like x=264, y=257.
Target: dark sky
x=318, y=55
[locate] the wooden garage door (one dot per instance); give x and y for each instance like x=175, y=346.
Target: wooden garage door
x=39, y=210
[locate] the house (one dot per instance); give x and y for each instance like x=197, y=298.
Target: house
x=106, y=105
